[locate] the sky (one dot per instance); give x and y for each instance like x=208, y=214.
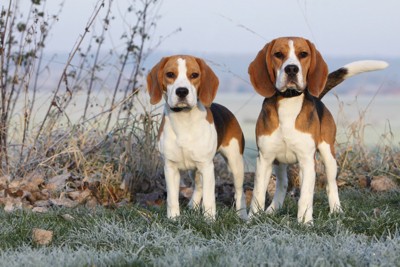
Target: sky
x=369, y=28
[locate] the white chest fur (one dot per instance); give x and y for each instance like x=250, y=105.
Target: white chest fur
x=188, y=139
x=286, y=143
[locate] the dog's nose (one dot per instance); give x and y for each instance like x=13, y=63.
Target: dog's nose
x=291, y=70
x=182, y=92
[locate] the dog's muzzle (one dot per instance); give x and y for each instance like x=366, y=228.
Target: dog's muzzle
x=182, y=104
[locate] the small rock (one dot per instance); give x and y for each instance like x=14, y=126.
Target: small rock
x=42, y=237
x=382, y=184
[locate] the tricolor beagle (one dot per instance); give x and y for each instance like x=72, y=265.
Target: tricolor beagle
x=293, y=124
x=193, y=129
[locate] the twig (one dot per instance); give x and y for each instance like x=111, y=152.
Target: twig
x=64, y=74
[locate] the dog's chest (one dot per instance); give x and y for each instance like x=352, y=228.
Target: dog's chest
x=286, y=143
x=188, y=141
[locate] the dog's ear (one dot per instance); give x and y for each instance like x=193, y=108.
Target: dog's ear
x=261, y=73
x=154, y=81
x=318, y=72
x=208, y=83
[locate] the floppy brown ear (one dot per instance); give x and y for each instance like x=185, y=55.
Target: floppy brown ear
x=208, y=83
x=318, y=72
x=154, y=81
x=261, y=73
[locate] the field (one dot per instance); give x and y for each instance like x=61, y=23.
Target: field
x=82, y=183
x=366, y=234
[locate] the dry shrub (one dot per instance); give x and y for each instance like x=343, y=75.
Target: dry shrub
x=113, y=140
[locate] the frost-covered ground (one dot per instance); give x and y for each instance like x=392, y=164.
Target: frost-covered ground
x=365, y=235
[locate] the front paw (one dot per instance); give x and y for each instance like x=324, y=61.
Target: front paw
x=337, y=209
x=243, y=214
x=173, y=213
x=270, y=210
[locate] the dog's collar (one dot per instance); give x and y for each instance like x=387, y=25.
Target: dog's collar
x=179, y=109
x=289, y=93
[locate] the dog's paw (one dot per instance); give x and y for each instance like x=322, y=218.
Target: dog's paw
x=243, y=214
x=270, y=210
x=337, y=209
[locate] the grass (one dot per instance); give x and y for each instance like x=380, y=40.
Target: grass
x=361, y=236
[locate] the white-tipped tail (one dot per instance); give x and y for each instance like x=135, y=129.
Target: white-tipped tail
x=361, y=66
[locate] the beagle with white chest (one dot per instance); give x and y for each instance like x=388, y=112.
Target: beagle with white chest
x=193, y=130
x=293, y=124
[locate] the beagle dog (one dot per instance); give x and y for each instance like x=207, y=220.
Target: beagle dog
x=293, y=124
x=193, y=129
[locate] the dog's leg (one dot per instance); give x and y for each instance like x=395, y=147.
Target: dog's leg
x=172, y=179
x=195, y=201
x=237, y=168
x=263, y=175
x=331, y=173
x=281, y=188
x=208, y=178
x=307, y=184
x=235, y=162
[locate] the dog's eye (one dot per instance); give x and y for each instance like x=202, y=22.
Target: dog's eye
x=170, y=74
x=279, y=55
x=194, y=75
x=303, y=54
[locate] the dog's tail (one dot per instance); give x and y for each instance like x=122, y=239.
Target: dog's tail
x=351, y=69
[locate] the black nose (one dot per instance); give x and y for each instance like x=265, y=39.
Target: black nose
x=291, y=70
x=182, y=92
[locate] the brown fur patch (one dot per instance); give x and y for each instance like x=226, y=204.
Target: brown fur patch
x=209, y=117
x=307, y=121
x=315, y=118
x=268, y=120
x=227, y=126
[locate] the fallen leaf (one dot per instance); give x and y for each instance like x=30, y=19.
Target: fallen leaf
x=249, y=195
x=149, y=199
x=42, y=237
x=84, y=196
x=4, y=180
x=186, y=192
x=341, y=183
x=91, y=202
x=32, y=183
x=364, y=181
x=42, y=203
x=271, y=187
x=63, y=202
x=40, y=209
x=74, y=195
x=68, y=217
x=14, y=193
x=377, y=212
x=16, y=183
x=12, y=204
x=57, y=183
